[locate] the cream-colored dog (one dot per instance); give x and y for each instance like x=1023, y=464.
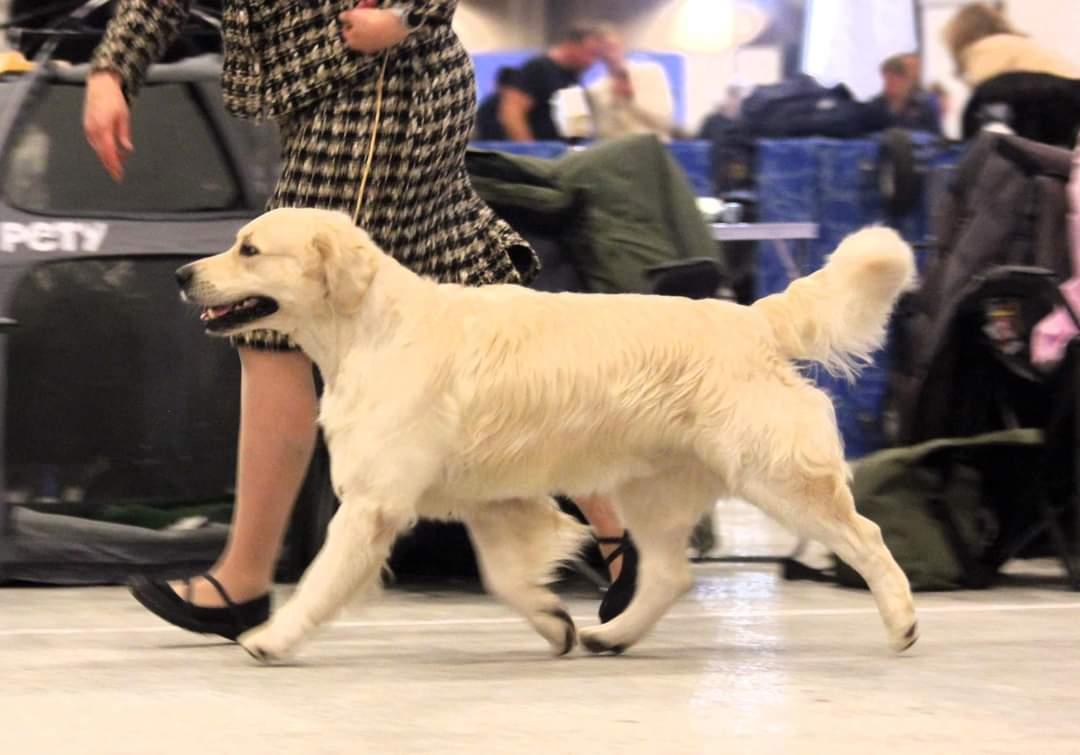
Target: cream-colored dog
x=478, y=403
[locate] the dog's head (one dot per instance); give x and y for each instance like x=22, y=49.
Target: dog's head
x=287, y=267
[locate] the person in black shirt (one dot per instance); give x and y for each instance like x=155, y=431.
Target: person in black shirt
x=488, y=126
x=525, y=110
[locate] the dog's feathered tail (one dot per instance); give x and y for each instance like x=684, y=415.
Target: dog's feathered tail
x=837, y=315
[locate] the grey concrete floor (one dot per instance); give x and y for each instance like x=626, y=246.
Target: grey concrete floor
x=747, y=663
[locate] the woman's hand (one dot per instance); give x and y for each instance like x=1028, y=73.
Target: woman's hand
x=368, y=29
x=107, y=122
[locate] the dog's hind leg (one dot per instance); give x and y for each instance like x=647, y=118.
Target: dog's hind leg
x=357, y=544
x=660, y=513
x=821, y=507
x=519, y=544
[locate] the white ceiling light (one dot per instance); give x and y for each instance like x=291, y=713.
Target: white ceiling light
x=712, y=26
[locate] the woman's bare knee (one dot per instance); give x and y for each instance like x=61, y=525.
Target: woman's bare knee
x=286, y=375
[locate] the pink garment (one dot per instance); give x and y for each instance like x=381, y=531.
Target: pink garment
x=1053, y=333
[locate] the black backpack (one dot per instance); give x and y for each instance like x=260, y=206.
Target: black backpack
x=802, y=107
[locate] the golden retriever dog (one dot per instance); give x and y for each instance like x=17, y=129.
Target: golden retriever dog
x=476, y=404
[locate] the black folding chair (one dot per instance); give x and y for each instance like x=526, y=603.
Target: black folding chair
x=1000, y=311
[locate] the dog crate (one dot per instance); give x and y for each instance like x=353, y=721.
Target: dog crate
x=117, y=415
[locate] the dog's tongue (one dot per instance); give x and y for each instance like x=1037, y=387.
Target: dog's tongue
x=212, y=313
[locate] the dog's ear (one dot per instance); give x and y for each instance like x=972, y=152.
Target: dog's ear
x=347, y=265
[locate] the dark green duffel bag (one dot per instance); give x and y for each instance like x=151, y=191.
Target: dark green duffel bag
x=951, y=511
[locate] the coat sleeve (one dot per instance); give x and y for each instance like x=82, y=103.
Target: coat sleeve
x=139, y=34
x=440, y=9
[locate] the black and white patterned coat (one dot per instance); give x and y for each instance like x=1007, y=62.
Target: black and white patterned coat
x=285, y=61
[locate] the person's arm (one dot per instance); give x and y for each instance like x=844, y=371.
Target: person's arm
x=652, y=80
x=107, y=121
x=514, y=108
x=138, y=35
x=658, y=124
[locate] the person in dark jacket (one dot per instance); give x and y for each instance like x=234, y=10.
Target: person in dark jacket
x=903, y=103
x=488, y=126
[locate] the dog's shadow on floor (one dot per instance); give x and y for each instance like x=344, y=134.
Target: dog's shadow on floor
x=514, y=664
x=195, y=645
x=669, y=659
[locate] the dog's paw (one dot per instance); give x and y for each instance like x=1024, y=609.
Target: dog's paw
x=904, y=641
x=558, y=629
x=594, y=640
x=266, y=644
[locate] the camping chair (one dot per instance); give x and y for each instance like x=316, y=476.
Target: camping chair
x=999, y=311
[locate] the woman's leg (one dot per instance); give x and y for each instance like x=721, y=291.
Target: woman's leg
x=604, y=519
x=278, y=409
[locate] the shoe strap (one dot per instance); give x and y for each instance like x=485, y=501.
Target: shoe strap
x=622, y=542
x=221, y=591
x=234, y=610
x=238, y=620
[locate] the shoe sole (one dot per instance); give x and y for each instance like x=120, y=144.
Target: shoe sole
x=167, y=612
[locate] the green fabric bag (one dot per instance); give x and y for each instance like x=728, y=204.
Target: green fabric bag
x=904, y=491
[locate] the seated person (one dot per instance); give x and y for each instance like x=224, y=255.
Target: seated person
x=902, y=102
x=488, y=126
x=525, y=107
x=634, y=97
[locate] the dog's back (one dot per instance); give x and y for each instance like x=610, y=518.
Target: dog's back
x=538, y=378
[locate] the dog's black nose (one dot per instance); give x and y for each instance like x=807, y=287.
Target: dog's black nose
x=184, y=276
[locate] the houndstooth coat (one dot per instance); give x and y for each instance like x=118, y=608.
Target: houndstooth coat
x=285, y=61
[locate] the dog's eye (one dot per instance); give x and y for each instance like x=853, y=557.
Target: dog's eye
x=248, y=250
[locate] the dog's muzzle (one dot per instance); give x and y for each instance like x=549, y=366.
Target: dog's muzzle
x=222, y=316
x=184, y=275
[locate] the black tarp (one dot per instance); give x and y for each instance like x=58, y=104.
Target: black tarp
x=48, y=548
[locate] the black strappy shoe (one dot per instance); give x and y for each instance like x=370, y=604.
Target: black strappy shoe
x=229, y=621
x=621, y=591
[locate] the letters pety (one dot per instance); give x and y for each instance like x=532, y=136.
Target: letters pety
x=52, y=237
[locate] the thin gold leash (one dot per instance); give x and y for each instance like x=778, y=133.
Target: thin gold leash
x=379, y=86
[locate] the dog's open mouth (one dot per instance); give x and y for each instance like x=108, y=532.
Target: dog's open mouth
x=230, y=316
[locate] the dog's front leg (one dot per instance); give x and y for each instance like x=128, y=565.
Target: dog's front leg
x=357, y=544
